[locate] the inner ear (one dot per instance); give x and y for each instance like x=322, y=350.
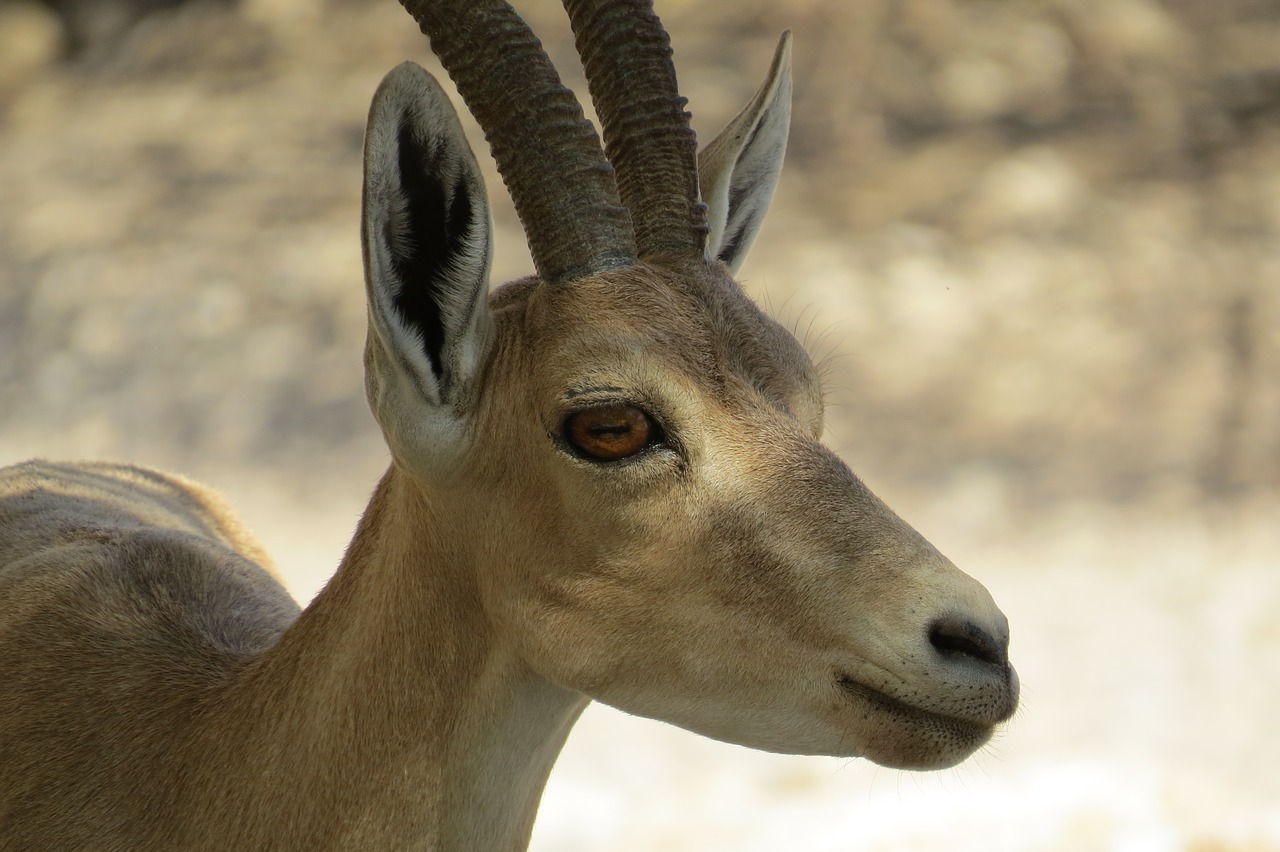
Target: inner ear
x=435, y=225
x=738, y=170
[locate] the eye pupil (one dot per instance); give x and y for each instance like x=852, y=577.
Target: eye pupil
x=609, y=432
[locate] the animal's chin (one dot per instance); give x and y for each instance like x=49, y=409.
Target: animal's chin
x=926, y=739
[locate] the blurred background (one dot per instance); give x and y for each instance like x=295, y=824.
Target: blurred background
x=1034, y=243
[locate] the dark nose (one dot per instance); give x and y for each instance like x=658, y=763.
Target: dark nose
x=955, y=636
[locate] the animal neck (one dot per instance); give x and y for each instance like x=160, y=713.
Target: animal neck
x=392, y=713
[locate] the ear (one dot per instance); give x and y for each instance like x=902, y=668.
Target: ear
x=739, y=169
x=427, y=246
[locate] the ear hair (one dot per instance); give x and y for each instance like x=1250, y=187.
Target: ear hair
x=427, y=236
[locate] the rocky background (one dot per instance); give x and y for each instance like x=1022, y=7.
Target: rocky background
x=1034, y=243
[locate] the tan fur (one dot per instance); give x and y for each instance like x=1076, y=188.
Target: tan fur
x=151, y=702
x=162, y=691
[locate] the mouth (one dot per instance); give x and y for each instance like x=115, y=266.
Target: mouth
x=973, y=732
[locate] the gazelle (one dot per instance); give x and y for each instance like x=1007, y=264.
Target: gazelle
x=607, y=483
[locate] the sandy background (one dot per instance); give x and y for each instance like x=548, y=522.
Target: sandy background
x=1034, y=240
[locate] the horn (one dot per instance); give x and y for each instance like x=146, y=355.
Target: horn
x=626, y=54
x=547, y=152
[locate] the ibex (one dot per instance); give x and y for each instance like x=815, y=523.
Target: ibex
x=606, y=483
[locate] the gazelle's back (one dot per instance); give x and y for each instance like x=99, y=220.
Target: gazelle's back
x=127, y=598
x=96, y=530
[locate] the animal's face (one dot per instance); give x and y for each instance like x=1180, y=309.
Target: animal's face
x=663, y=531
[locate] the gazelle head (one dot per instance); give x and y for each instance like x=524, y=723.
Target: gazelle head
x=623, y=449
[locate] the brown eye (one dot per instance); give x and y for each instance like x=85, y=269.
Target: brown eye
x=609, y=432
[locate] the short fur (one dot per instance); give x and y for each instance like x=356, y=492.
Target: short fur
x=162, y=691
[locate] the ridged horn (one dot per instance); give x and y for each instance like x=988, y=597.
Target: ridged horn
x=547, y=152
x=626, y=54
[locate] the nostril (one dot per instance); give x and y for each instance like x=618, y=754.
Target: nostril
x=952, y=636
